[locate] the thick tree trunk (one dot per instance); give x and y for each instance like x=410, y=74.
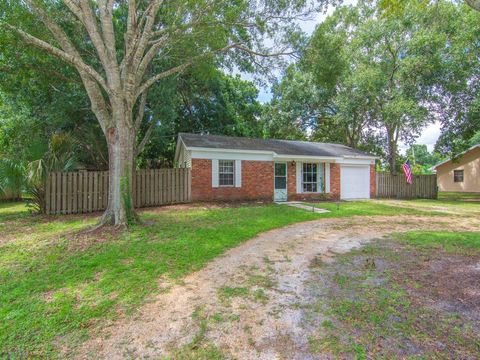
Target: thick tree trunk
x=392, y=154
x=121, y=144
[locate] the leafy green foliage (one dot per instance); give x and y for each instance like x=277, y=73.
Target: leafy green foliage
x=422, y=160
x=201, y=101
x=59, y=157
x=12, y=179
x=370, y=78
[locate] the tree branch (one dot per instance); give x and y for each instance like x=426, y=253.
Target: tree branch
x=90, y=78
x=141, y=110
x=474, y=4
x=72, y=59
x=90, y=23
x=149, y=19
x=106, y=19
x=146, y=138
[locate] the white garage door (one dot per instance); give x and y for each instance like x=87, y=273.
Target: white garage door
x=355, y=182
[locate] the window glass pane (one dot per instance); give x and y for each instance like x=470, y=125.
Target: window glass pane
x=226, y=172
x=280, y=170
x=458, y=175
x=280, y=182
x=310, y=178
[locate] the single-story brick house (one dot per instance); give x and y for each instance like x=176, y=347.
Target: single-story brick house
x=238, y=168
x=461, y=174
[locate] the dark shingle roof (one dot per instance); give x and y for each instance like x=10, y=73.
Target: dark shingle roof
x=280, y=147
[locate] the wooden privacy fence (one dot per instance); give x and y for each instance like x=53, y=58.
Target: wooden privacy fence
x=87, y=191
x=396, y=187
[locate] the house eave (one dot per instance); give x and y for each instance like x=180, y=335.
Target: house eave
x=283, y=157
x=461, y=154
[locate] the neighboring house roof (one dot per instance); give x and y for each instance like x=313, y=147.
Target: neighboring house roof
x=459, y=155
x=279, y=147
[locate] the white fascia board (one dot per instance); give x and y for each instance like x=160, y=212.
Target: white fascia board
x=361, y=157
x=229, y=154
x=306, y=158
x=350, y=161
x=194, y=148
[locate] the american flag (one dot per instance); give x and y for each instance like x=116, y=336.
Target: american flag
x=408, y=172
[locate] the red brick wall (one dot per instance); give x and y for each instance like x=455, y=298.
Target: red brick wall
x=257, y=182
x=291, y=180
x=335, y=181
x=373, y=181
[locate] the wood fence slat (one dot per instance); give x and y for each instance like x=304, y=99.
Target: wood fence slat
x=63, y=181
x=95, y=191
x=90, y=191
x=189, y=184
x=157, y=183
x=105, y=190
x=74, y=193
x=48, y=184
x=162, y=187
x=69, y=192
x=175, y=185
x=87, y=191
x=395, y=186
x=152, y=187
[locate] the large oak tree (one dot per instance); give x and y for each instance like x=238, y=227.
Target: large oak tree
x=121, y=49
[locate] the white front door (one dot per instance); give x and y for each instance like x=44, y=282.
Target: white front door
x=355, y=182
x=280, y=193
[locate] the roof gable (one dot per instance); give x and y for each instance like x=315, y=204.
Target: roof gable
x=466, y=152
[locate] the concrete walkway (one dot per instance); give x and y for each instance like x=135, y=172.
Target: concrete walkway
x=304, y=206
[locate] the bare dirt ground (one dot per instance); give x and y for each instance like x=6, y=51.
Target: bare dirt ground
x=245, y=303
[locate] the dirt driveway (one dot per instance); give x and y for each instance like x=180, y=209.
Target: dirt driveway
x=245, y=303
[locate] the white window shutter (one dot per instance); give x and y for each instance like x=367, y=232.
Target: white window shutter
x=299, y=177
x=327, y=177
x=238, y=173
x=215, y=173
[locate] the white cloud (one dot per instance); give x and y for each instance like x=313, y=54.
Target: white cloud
x=428, y=137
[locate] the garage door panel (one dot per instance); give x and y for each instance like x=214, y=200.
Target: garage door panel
x=354, y=182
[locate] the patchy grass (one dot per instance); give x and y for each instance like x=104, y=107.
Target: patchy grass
x=434, y=206
x=458, y=243
x=199, y=348
x=55, y=287
x=226, y=293
x=458, y=196
x=409, y=296
x=367, y=208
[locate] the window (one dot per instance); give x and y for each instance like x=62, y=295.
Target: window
x=457, y=175
x=226, y=173
x=310, y=179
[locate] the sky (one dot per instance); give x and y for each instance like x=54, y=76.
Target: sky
x=429, y=134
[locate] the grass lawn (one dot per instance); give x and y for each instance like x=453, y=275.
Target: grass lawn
x=458, y=196
x=414, y=295
x=368, y=208
x=56, y=285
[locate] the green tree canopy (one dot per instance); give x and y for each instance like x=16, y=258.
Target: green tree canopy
x=372, y=79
